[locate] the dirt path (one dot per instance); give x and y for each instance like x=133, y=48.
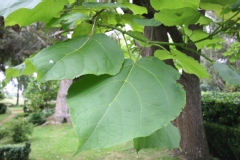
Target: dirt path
x=14, y=112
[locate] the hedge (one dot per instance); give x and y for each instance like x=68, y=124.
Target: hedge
x=3, y=108
x=223, y=141
x=15, y=153
x=221, y=108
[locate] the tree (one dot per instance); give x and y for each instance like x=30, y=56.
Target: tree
x=121, y=97
x=61, y=114
x=16, y=44
x=190, y=122
x=40, y=97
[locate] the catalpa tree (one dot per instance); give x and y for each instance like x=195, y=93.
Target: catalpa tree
x=122, y=95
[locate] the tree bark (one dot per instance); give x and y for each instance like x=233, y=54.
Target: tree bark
x=61, y=114
x=190, y=122
x=18, y=89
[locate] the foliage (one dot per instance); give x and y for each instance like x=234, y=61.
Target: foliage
x=36, y=118
x=233, y=88
x=206, y=87
x=48, y=112
x=40, y=97
x=3, y=132
x=2, y=96
x=120, y=99
x=19, y=129
x=21, y=115
x=221, y=108
x=3, y=108
x=223, y=141
x=15, y=153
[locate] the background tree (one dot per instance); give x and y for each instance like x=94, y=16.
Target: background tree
x=17, y=44
x=41, y=97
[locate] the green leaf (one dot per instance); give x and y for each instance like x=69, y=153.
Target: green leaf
x=197, y=35
x=181, y=16
x=235, y=6
x=137, y=35
x=82, y=29
x=147, y=22
x=166, y=137
x=44, y=11
x=188, y=64
x=228, y=74
x=25, y=68
x=222, y=3
x=174, y=4
x=68, y=21
x=8, y=7
x=98, y=54
x=135, y=9
x=109, y=110
x=99, y=5
x=204, y=20
x=71, y=1
x=129, y=19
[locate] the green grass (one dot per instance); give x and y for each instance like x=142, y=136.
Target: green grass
x=16, y=108
x=60, y=142
x=3, y=116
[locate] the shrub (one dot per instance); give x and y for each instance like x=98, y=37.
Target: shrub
x=223, y=141
x=15, y=153
x=3, y=132
x=40, y=97
x=48, y=112
x=19, y=129
x=36, y=118
x=221, y=108
x=2, y=96
x=3, y=108
x=21, y=115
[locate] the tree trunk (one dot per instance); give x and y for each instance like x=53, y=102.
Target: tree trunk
x=61, y=114
x=18, y=89
x=190, y=123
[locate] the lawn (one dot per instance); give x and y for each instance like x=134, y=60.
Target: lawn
x=16, y=108
x=3, y=116
x=60, y=142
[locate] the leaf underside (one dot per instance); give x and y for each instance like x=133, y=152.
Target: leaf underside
x=166, y=137
x=97, y=54
x=109, y=110
x=227, y=73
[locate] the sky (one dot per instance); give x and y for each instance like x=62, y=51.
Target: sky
x=11, y=86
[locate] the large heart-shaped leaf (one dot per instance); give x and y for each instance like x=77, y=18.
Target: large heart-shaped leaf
x=97, y=54
x=228, y=74
x=166, y=137
x=108, y=110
